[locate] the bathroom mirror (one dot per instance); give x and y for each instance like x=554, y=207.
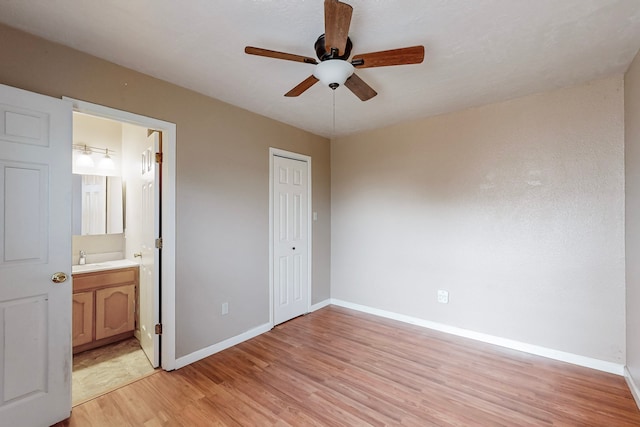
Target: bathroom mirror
x=97, y=205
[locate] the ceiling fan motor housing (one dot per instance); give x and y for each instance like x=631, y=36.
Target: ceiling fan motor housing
x=333, y=69
x=323, y=55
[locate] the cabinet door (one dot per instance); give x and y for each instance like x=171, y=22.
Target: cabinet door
x=115, y=310
x=82, y=318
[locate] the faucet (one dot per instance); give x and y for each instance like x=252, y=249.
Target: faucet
x=83, y=258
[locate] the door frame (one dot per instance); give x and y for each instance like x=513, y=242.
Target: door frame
x=276, y=152
x=168, y=268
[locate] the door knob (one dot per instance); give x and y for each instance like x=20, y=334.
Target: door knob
x=59, y=277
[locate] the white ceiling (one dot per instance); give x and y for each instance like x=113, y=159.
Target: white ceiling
x=477, y=51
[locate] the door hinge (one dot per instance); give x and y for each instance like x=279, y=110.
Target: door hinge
x=158, y=157
x=159, y=243
x=158, y=328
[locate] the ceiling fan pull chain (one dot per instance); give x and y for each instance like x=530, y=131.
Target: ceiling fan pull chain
x=334, y=113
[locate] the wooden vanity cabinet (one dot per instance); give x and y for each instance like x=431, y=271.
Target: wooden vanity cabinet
x=115, y=311
x=83, y=315
x=104, y=307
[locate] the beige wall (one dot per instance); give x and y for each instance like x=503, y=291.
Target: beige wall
x=632, y=184
x=100, y=133
x=222, y=182
x=515, y=208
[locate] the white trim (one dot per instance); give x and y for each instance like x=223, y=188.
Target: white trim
x=295, y=156
x=321, y=304
x=635, y=391
x=576, y=359
x=168, y=341
x=223, y=345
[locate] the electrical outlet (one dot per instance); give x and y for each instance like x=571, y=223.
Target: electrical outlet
x=225, y=308
x=443, y=296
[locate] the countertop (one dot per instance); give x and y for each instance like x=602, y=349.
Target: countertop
x=102, y=266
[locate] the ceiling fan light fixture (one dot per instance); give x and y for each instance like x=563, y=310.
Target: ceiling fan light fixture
x=333, y=72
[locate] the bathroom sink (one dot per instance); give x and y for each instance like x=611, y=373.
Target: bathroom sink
x=99, y=266
x=90, y=267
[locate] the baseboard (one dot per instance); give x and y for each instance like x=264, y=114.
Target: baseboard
x=321, y=304
x=562, y=356
x=223, y=345
x=213, y=349
x=575, y=359
x=635, y=391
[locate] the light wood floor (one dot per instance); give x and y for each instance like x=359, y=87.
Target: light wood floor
x=337, y=367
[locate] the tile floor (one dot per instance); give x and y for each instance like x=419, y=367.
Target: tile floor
x=103, y=369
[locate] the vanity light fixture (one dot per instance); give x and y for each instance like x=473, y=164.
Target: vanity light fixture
x=84, y=159
x=106, y=162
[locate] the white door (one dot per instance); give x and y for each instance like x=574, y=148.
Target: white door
x=35, y=243
x=290, y=239
x=149, y=268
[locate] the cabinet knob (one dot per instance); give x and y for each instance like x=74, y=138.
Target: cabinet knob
x=137, y=255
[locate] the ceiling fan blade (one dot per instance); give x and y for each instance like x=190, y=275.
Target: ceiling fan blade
x=278, y=55
x=306, y=84
x=403, y=56
x=360, y=88
x=337, y=18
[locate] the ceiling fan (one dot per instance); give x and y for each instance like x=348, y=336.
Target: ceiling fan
x=333, y=49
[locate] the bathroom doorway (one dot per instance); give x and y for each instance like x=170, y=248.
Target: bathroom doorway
x=120, y=263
